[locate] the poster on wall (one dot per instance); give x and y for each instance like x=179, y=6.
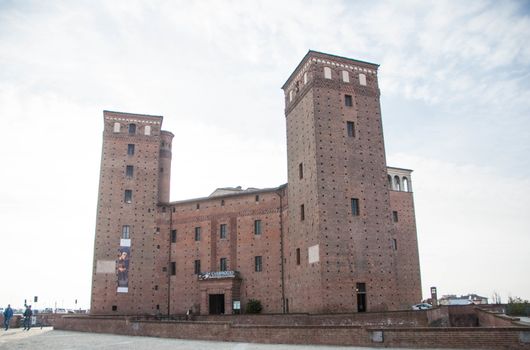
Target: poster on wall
x=122, y=265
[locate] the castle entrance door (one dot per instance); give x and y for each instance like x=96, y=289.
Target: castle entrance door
x=216, y=304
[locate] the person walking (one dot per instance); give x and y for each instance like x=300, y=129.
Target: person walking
x=27, y=318
x=8, y=313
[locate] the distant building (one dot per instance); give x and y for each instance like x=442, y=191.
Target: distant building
x=339, y=237
x=462, y=300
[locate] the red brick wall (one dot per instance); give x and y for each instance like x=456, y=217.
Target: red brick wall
x=468, y=338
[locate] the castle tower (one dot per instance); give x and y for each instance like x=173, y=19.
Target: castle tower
x=339, y=250
x=129, y=263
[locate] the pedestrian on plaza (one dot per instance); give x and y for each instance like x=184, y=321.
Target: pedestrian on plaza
x=8, y=313
x=27, y=318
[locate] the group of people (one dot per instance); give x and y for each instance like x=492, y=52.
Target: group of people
x=8, y=314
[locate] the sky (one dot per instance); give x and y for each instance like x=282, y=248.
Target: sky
x=455, y=98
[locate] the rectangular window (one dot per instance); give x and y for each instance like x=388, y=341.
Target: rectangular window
x=350, y=126
x=128, y=196
x=147, y=130
x=257, y=264
x=129, y=171
x=301, y=170
x=132, y=129
x=222, y=231
x=257, y=227
x=222, y=264
x=126, y=232
x=173, y=236
x=355, y=206
x=130, y=149
x=117, y=127
x=197, y=233
x=302, y=212
x=257, y=198
x=395, y=216
x=173, y=268
x=297, y=256
x=197, y=268
x=394, y=244
x=348, y=100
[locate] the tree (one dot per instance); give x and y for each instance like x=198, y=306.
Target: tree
x=517, y=307
x=496, y=298
x=253, y=306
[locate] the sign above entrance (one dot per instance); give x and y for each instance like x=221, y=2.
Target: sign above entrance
x=217, y=274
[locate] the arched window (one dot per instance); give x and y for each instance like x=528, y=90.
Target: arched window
x=305, y=78
x=132, y=129
x=117, y=127
x=397, y=184
x=345, y=76
x=406, y=186
x=290, y=95
x=362, y=79
x=327, y=72
x=147, y=130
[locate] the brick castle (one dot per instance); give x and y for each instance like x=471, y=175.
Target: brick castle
x=340, y=236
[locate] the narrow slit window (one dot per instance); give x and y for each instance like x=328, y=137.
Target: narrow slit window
x=355, y=206
x=301, y=170
x=173, y=268
x=173, y=236
x=197, y=267
x=302, y=212
x=297, y=256
x=222, y=231
x=197, y=233
x=350, y=126
x=348, y=100
x=257, y=227
x=257, y=264
x=222, y=264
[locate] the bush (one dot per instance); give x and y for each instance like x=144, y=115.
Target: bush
x=517, y=307
x=253, y=306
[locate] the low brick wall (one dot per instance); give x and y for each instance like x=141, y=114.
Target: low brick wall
x=494, y=319
x=424, y=337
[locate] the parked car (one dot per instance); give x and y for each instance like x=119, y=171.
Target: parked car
x=422, y=306
x=60, y=311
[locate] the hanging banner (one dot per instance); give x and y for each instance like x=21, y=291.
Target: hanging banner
x=122, y=265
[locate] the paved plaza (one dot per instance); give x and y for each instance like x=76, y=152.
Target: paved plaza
x=49, y=339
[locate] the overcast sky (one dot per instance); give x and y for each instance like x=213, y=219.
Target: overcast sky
x=455, y=95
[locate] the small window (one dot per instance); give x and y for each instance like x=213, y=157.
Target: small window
x=348, y=100
x=305, y=78
x=114, y=308
x=301, y=170
x=130, y=149
x=257, y=198
x=327, y=72
x=197, y=206
x=362, y=79
x=222, y=231
x=129, y=171
x=173, y=236
x=394, y=244
x=302, y=212
x=197, y=267
x=132, y=129
x=395, y=216
x=128, y=196
x=297, y=256
x=222, y=202
x=147, y=130
x=222, y=264
x=197, y=233
x=257, y=227
x=125, y=232
x=355, y=206
x=290, y=95
x=156, y=287
x=350, y=126
x=117, y=127
x=257, y=264
x=173, y=268
x=345, y=76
